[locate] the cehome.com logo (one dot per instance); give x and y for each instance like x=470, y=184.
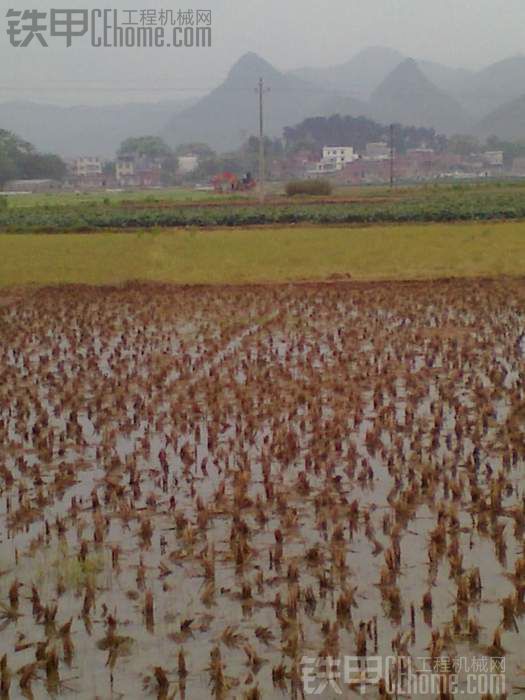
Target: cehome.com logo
x=111, y=28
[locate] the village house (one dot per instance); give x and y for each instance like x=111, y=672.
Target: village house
x=379, y=150
x=518, y=167
x=364, y=171
x=86, y=166
x=87, y=172
x=188, y=163
x=415, y=164
x=493, y=159
x=334, y=159
x=138, y=171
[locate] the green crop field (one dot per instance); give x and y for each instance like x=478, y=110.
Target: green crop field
x=183, y=208
x=181, y=195
x=188, y=236
x=265, y=254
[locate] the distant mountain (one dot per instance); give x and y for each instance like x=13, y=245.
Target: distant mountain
x=378, y=82
x=365, y=71
x=357, y=77
x=447, y=79
x=506, y=122
x=230, y=113
x=407, y=96
x=490, y=88
x=338, y=104
x=478, y=93
x=74, y=131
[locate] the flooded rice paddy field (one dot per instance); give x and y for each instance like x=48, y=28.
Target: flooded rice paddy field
x=201, y=486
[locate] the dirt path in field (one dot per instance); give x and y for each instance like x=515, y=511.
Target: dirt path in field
x=10, y=296
x=270, y=201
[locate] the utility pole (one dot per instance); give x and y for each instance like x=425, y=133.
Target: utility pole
x=391, y=155
x=262, y=173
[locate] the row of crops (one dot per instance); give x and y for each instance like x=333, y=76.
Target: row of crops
x=85, y=218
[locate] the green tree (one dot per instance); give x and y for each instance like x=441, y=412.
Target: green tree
x=109, y=168
x=170, y=166
x=8, y=169
x=20, y=160
x=42, y=166
x=150, y=146
x=463, y=144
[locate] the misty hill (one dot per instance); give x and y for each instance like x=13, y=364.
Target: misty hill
x=230, y=113
x=407, y=96
x=506, y=122
x=74, y=131
x=478, y=92
x=359, y=76
x=418, y=93
x=495, y=85
x=365, y=71
x=447, y=79
x=339, y=104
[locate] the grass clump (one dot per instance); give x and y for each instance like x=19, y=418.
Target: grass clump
x=310, y=187
x=71, y=572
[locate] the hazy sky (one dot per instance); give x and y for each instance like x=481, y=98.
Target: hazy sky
x=288, y=33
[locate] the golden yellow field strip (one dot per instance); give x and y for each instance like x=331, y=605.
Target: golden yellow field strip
x=265, y=254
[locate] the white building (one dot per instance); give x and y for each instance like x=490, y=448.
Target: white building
x=334, y=159
x=493, y=158
x=138, y=171
x=188, y=163
x=125, y=168
x=340, y=155
x=87, y=166
x=378, y=150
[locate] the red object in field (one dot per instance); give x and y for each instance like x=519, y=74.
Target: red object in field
x=229, y=182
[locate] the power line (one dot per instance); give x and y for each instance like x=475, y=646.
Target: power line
x=80, y=87
x=83, y=88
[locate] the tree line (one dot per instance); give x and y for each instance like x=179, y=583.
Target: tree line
x=19, y=160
